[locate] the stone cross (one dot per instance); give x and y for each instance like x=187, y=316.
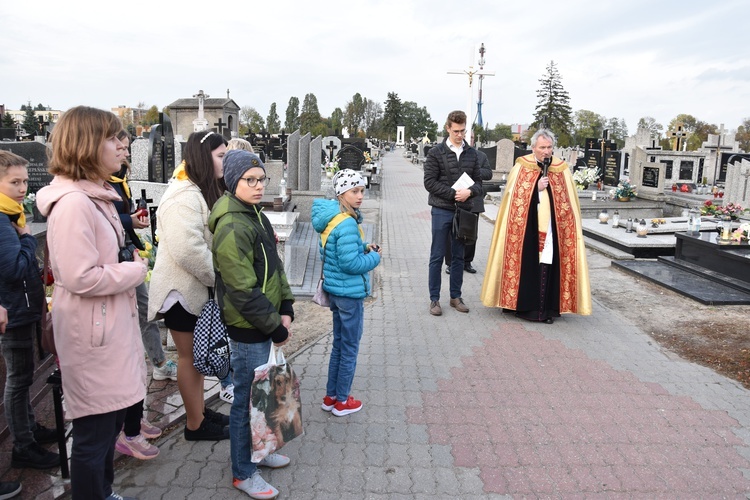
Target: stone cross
x=220, y=126
x=201, y=97
x=283, y=136
x=331, y=148
x=678, y=134
x=718, y=152
x=200, y=124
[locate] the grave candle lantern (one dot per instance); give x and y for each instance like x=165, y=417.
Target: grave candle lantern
x=603, y=216
x=642, y=229
x=616, y=219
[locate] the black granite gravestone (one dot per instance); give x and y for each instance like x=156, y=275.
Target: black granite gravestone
x=591, y=158
x=686, y=170
x=650, y=177
x=36, y=154
x=668, y=164
x=350, y=157
x=161, y=154
x=491, y=153
x=7, y=134
x=611, y=174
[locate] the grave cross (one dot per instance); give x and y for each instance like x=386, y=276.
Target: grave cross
x=591, y=144
x=331, y=148
x=283, y=136
x=718, y=153
x=220, y=126
x=678, y=134
x=143, y=197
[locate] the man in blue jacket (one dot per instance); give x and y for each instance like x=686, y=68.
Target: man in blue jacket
x=444, y=164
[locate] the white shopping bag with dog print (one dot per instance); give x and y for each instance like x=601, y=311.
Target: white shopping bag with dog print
x=275, y=407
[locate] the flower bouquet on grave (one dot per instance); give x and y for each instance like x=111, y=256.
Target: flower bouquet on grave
x=733, y=210
x=625, y=190
x=28, y=203
x=584, y=177
x=331, y=168
x=368, y=158
x=742, y=233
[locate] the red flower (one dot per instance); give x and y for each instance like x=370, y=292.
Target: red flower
x=708, y=203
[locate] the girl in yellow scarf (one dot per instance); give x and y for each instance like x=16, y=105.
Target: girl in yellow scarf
x=14, y=182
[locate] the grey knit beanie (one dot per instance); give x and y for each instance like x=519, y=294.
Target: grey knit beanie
x=347, y=179
x=236, y=162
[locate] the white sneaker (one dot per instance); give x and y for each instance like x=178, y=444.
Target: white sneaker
x=256, y=487
x=167, y=371
x=274, y=461
x=226, y=394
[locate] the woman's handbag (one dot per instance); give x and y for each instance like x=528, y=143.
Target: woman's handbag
x=465, y=225
x=211, y=341
x=275, y=406
x=48, y=335
x=321, y=296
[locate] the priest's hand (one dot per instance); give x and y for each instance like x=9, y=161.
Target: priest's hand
x=542, y=184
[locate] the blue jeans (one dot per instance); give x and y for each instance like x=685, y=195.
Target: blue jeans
x=442, y=230
x=348, y=324
x=18, y=353
x=245, y=359
x=149, y=329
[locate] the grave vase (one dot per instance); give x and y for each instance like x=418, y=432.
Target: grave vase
x=623, y=198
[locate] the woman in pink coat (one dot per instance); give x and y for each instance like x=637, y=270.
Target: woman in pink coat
x=94, y=310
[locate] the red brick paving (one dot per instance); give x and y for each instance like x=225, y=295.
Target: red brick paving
x=540, y=419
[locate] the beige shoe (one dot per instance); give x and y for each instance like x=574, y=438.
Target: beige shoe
x=435, y=308
x=459, y=305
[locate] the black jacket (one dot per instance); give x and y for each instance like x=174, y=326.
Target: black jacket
x=439, y=164
x=21, y=289
x=124, y=213
x=485, y=172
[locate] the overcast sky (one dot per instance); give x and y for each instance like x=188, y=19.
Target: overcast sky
x=625, y=59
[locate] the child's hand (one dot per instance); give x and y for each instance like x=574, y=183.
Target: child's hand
x=21, y=230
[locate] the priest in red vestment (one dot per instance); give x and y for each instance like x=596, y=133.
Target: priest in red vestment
x=537, y=262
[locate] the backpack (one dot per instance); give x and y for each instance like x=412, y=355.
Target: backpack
x=211, y=341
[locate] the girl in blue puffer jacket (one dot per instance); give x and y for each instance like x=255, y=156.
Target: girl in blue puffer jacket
x=347, y=261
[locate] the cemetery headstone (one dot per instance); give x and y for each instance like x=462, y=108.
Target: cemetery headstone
x=36, y=154
x=591, y=158
x=304, y=162
x=316, y=150
x=292, y=155
x=491, y=153
x=161, y=161
x=505, y=156
x=351, y=157
x=686, y=170
x=650, y=177
x=331, y=145
x=7, y=134
x=611, y=173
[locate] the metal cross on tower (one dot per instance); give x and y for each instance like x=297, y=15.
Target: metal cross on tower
x=472, y=72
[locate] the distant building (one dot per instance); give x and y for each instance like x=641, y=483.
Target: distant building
x=518, y=130
x=129, y=115
x=220, y=113
x=47, y=115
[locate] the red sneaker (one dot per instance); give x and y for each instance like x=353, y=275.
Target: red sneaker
x=328, y=403
x=351, y=405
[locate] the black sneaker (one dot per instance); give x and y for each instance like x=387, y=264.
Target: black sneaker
x=216, y=417
x=34, y=457
x=9, y=489
x=45, y=435
x=208, y=431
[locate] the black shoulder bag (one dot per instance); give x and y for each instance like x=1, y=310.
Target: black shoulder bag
x=465, y=222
